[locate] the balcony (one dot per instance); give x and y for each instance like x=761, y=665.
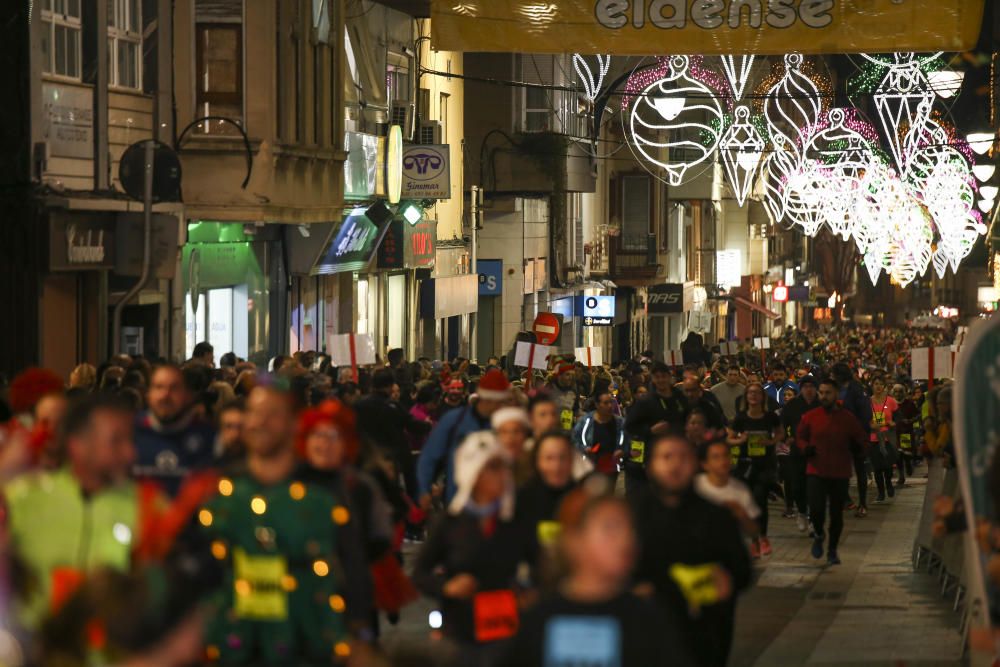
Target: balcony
x=633, y=257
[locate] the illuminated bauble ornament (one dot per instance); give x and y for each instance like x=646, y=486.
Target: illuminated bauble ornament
x=592, y=78
x=805, y=196
x=793, y=104
x=741, y=148
x=675, y=122
x=778, y=166
x=911, y=250
x=902, y=99
x=870, y=212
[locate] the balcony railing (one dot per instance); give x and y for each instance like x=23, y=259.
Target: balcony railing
x=633, y=256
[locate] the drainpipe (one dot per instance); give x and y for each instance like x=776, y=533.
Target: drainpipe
x=147, y=246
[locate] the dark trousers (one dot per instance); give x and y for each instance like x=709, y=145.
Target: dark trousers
x=635, y=480
x=792, y=469
x=861, y=472
x=821, y=492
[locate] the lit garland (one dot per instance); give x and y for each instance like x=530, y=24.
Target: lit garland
x=741, y=147
x=737, y=70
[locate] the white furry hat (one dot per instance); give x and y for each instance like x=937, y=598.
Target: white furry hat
x=471, y=457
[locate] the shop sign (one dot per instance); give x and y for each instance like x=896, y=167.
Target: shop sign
x=426, y=172
x=597, y=311
x=68, y=120
x=408, y=246
x=81, y=242
x=798, y=293
x=670, y=298
x=352, y=246
x=209, y=266
x=661, y=27
x=490, y=277
x=448, y=296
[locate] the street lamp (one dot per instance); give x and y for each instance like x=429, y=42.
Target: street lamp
x=946, y=82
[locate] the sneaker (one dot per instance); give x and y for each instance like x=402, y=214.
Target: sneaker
x=850, y=505
x=817, y=547
x=765, y=546
x=861, y=513
x=754, y=550
x=832, y=558
x=801, y=523
x=789, y=514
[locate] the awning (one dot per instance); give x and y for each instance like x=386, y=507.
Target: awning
x=747, y=303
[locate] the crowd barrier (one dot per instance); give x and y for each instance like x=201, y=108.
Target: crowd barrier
x=945, y=556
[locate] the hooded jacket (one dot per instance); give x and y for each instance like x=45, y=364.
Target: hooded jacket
x=831, y=439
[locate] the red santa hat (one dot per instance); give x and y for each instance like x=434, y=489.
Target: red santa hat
x=494, y=386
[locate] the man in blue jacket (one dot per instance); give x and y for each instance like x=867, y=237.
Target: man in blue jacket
x=600, y=435
x=775, y=389
x=492, y=394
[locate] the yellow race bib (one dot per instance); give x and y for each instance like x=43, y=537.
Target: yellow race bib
x=566, y=417
x=734, y=454
x=696, y=583
x=258, y=583
x=637, y=451
x=548, y=533
x=905, y=441
x=879, y=418
x=756, y=446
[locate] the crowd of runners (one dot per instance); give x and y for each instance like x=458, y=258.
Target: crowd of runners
x=216, y=512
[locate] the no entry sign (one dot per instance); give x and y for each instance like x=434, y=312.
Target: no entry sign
x=546, y=328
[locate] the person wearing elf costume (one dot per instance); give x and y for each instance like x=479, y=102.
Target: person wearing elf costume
x=63, y=524
x=282, y=598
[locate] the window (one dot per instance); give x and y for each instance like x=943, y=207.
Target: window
x=397, y=79
x=636, y=200
x=219, y=87
x=443, y=116
x=125, y=44
x=61, y=38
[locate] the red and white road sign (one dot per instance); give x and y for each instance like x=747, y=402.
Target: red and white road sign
x=546, y=328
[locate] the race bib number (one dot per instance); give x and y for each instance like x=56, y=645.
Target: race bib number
x=548, y=533
x=259, y=593
x=696, y=583
x=495, y=614
x=637, y=451
x=879, y=418
x=756, y=446
x=594, y=641
x=566, y=417
x=905, y=441
x=734, y=454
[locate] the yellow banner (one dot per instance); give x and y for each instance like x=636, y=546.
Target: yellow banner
x=662, y=27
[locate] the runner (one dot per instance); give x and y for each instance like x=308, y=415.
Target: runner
x=882, y=451
x=755, y=434
x=658, y=413
x=831, y=438
x=600, y=436
x=794, y=474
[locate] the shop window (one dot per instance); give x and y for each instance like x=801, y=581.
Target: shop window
x=219, y=63
x=636, y=211
x=125, y=44
x=60, y=44
x=397, y=78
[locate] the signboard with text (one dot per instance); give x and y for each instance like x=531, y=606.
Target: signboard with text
x=597, y=311
x=670, y=298
x=490, y=277
x=663, y=27
x=426, y=172
x=408, y=246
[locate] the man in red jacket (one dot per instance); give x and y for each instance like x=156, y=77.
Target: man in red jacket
x=830, y=437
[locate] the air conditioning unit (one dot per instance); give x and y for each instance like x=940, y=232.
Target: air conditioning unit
x=431, y=132
x=401, y=113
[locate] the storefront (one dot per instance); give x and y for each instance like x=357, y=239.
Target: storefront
x=446, y=304
x=669, y=306
x=234, y=282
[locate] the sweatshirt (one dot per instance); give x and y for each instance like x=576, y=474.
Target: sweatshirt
x=831, y=438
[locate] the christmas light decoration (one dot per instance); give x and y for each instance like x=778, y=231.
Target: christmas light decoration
x=669, y=120
x=984, y=172
x=946, y=83
x=981, y=142
x=741, y=147
x=737, y=70
x=793, y=103
x=591, y=79
x=988, y=191
x=902, y=99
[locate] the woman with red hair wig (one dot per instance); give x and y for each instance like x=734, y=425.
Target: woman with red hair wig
x=328, y=442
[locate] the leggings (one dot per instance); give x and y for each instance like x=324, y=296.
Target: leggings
x=883, y=480
x=793, y=477
x=759, y=478
x=821, y=492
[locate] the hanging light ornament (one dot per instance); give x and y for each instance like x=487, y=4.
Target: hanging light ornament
x=675, y=123
x=741, y=147
x=737, y=70
x=777, y=167
x=902, y=99
x=591, y=78
x=793, y=104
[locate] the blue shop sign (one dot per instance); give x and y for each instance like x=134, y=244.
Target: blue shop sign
x=490, y=276
x=596, y=311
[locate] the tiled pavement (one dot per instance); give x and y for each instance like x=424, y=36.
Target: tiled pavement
x=873, y=610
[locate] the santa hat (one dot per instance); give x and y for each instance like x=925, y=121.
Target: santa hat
x=471, y=457
x=510, y=414
x=494, y=386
